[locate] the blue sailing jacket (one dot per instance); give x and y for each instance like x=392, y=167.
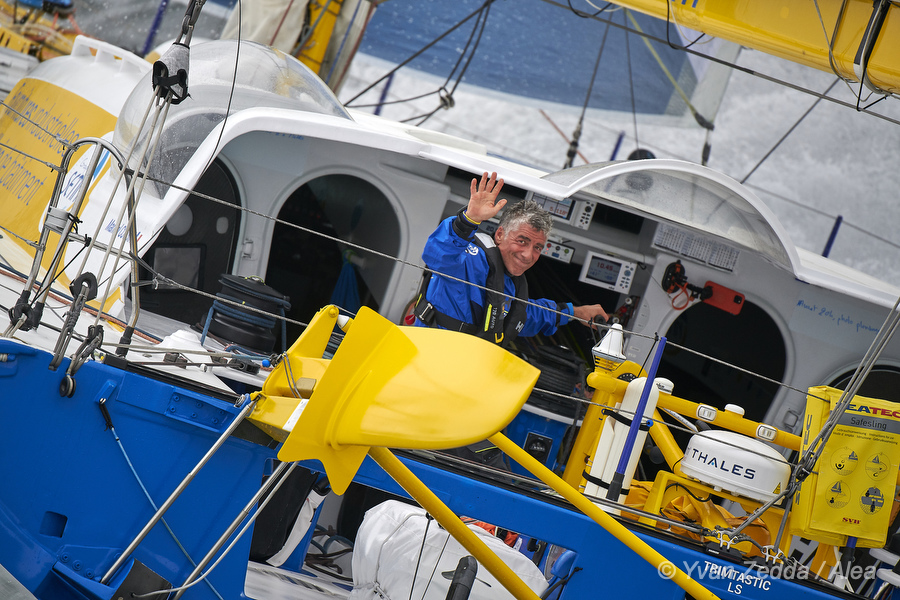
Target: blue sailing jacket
x=451, y=250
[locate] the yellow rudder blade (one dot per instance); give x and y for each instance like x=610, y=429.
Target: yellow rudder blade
x=399, y=387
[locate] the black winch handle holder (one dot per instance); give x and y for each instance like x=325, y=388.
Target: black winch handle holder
x=675, y=279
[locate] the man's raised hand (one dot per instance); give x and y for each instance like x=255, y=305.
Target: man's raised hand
x=483, y=203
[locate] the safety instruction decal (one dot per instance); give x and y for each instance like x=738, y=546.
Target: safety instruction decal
x=855, y=474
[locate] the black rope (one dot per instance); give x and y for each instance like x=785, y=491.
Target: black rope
x=480, y=23
x=688, y=490
x=669, y=41
x=237, y=60
x=447, y=101
x=585, y=15
x=652, y=349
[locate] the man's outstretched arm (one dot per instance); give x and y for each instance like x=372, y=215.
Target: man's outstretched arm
x=589, y=311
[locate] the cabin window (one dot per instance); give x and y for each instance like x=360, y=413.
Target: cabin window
x=195, y=247
x=181, y=264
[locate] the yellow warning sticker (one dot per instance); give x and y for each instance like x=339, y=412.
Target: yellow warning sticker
x=847, y=491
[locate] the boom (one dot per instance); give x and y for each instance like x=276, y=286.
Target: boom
x=859, y=40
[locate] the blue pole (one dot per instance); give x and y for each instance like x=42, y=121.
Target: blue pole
x=618, y=145
x=340, y=50
x=384, y=93
x=832, y=236
x=615, y=486
x=157, y=20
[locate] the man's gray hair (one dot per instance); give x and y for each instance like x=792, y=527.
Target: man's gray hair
x=526, y=212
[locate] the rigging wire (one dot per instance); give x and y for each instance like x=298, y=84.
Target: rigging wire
x=788, y=132
x=446, y=101
x=476, y=13
x=637, y=142
x=576, y=134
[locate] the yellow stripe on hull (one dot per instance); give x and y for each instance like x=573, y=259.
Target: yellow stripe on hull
x=792, y=29
x=26, y=183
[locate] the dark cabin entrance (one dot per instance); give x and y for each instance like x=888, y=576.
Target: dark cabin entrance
x=750, y=340
x=307, y=267
x=882, y=382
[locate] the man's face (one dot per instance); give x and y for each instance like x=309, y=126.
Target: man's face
x=520, y=247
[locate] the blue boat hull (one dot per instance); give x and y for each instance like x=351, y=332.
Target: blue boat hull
x=69, y=501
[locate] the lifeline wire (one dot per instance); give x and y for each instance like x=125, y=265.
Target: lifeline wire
x=410, y=264
x=417, y=266
x=861, y=372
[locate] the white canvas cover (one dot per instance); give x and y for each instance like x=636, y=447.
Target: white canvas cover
x=388, y=547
